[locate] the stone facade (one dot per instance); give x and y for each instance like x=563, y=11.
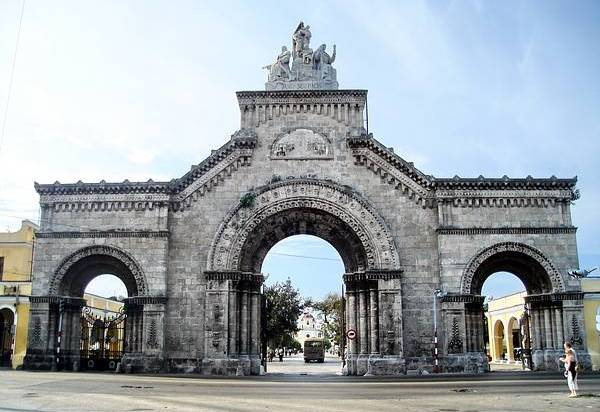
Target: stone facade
x=190, y=250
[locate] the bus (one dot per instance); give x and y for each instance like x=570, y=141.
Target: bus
x=314, y=349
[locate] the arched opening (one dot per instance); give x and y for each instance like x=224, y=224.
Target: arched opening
x=103, y=322
x=314, y=269
x=504, y=306
x=93, y=285
x=7, y=335
x=499, y=353
x=506, y=274
x=328, y=211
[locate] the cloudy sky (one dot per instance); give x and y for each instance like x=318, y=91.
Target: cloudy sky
x=135, y=90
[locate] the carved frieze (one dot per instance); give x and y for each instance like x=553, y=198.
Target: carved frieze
x=301, y=144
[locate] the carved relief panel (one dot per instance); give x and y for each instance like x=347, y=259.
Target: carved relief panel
x=301, y=144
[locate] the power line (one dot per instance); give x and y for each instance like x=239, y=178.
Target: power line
x=12, y=73
x=83, y=228
x=304, y=256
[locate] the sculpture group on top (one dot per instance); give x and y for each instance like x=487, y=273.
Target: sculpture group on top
x=310, y=69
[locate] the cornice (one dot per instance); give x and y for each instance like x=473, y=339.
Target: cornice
x=506, y=230
x=178, y=194
x=264, y=97
x=105, y=234
x=453, y=298
x=504, y=183
x=554, y=297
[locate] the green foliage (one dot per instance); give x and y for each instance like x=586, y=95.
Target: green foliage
x=327, y=343
x=284, y=306
x=332, y=309
x=248, y=199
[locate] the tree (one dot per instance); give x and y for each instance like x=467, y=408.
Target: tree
x=284, y=306
x=332, y=309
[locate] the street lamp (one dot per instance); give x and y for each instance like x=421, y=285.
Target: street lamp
x=437, y=293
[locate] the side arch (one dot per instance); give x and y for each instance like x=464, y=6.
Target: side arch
x=73, y=272
x=324, y=197
x=535, y=269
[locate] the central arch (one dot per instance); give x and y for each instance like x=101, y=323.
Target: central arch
x=334, y=213
x=319, y=206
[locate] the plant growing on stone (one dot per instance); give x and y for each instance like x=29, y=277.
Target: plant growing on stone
x=247, y=200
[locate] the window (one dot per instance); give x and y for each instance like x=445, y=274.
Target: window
x=1, y=267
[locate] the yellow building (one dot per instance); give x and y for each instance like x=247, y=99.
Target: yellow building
x=503, y=317
x=16, y=250
x=591, y=313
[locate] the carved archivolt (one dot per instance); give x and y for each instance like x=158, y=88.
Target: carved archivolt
x=327, y=197
x=471, y=268
x=123, y=257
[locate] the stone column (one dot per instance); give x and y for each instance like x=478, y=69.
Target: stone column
x=548, y=329
x=558, y=317
x=363, y=329
x=536, y=327
x=351, y=318
x=244, y=323
x=254, y=323
x=374, y=321
x=232, y=324
x=41, y=338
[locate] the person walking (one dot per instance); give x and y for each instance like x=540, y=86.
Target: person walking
x=280, y=353
x=570, y=361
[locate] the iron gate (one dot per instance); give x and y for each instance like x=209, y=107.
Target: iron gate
x=102, y=338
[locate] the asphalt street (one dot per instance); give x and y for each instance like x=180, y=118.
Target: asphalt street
x=497, y=391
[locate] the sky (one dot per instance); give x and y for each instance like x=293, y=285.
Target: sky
x=136, y=90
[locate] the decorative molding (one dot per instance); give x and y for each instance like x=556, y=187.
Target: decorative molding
x=373, y=274
x=396, y=171
x=455, y=345
x=145, y=300
x=55, y=299
x=68, y=262
x=465, y=298
x=36, y=332
x=554, y=297
x=235, y=276
x=470, y=269
x=285, y=97
x=152, y=341
x=178, y=194
x=328, y=197
x=506, y=230
x=342, y=106
x=105, y=234
x=458, y=184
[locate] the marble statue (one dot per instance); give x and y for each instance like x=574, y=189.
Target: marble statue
x=309, y=70
x=280, y=69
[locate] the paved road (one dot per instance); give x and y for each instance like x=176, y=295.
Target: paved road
x=46, y=391
x=295, y=365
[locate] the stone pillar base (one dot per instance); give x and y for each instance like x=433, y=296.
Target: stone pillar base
x=376, y=364
x=138, y=362
x=38, y=361
x=547, y=360
x=470, y=362
x=243, y=366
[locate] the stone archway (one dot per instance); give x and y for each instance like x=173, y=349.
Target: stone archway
x=530, y=265
x=320, y=208
x=304, y=194
x=60, y=312
x=80, y=267
x=543, y=304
